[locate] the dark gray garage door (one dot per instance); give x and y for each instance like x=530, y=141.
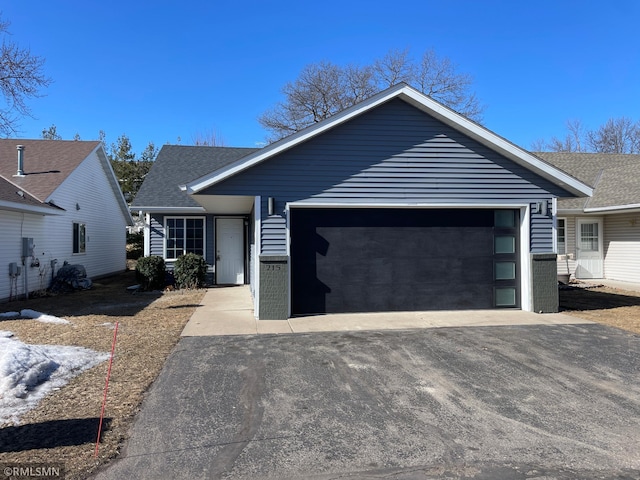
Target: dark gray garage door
x=372, y=260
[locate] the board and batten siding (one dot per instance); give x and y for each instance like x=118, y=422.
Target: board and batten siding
x=622, y=247
x=394, y=154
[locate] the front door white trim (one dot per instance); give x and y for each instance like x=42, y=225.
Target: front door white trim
x=230, y=254
x=589, y=256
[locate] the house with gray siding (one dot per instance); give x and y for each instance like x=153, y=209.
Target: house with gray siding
x=63, y=199
x=599, y=236
x=397, y=203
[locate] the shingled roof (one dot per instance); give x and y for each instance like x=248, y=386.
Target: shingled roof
x=47, y=163
x=614, y=177
x=180, y=164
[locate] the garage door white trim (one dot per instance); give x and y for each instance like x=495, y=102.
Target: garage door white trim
x=525, y=218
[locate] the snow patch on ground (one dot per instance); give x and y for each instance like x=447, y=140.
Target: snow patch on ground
x=29, y=372
x=5, y=334
x=42, y=317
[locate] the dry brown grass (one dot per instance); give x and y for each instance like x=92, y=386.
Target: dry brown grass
x=63, y=427
x=609, y=306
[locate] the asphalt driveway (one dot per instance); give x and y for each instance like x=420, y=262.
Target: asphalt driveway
x=508, y=402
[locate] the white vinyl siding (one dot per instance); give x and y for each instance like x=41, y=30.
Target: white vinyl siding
x=15, y=226
x=566, y=260
x=87, y=198
x=622, y=247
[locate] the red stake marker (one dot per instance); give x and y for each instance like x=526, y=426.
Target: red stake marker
x=106, y=388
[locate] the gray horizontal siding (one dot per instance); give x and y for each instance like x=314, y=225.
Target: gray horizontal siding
x=392, y=154
x=541, y=232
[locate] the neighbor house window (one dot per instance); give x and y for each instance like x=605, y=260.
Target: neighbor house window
x=79, y=238
x=562, y=236
x=184, y=235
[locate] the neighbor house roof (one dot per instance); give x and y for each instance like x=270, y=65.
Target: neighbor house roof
x=615, y=179
x=176, y=165
x=420, y=101
x=14, y=198
x=47, y=163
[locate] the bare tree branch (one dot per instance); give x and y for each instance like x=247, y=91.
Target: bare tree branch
x=323, y=89
x=21, y=78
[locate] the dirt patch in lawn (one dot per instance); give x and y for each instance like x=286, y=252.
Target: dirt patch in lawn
x=63, y=427
x=610, y=306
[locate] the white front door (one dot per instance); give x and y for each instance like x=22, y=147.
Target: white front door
x=230, y=251
x=589, y=256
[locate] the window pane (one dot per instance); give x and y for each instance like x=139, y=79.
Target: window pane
x=505, y=244
x=81, y=238
x=562, y=242
x=589, y=237
x=505, y=270
x=505, y=218
x=505, y=297
x=184, y=235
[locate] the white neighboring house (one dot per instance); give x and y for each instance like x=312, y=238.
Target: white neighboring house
x=599, y=236
x=64, y=197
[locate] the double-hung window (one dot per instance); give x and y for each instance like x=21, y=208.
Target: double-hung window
x=562, y=236
x=79, y=238
x=184, y=235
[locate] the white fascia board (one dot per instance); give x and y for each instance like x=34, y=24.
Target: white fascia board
x=113, y=181
x=614, y=208
x=422, y=102
x=35, y=209
x=496, y=143
x=169, y=210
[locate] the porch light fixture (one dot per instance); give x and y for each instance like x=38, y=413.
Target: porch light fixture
x=271, y=205
x=542, y=208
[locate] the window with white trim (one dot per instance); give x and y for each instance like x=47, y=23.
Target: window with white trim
x=184, y=235
x=79, y=237
x=562, y=236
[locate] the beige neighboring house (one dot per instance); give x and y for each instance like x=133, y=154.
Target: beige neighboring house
x=59, y=202
x=599, y=236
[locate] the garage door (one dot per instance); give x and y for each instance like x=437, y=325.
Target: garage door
x=373, y=260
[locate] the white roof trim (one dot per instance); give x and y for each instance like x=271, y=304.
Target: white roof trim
x=36, y=209
x=613, y=208
x=422, y=102
x=169, y=210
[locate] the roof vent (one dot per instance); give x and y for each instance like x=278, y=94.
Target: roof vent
x=20, y=161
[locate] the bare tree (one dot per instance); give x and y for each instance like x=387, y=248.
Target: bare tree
x=51, y=133
x=620, y=135
x=21, y=78
x=395, y=67
x=323, y=89
x=210, y=138
x=437, y=78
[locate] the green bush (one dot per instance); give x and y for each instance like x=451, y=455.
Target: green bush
x=190, y=271
x=135, y=245
x=150, y=272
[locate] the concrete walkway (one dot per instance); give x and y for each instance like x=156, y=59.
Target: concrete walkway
x=229, y=311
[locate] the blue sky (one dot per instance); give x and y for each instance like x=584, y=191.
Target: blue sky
x=163, y=70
